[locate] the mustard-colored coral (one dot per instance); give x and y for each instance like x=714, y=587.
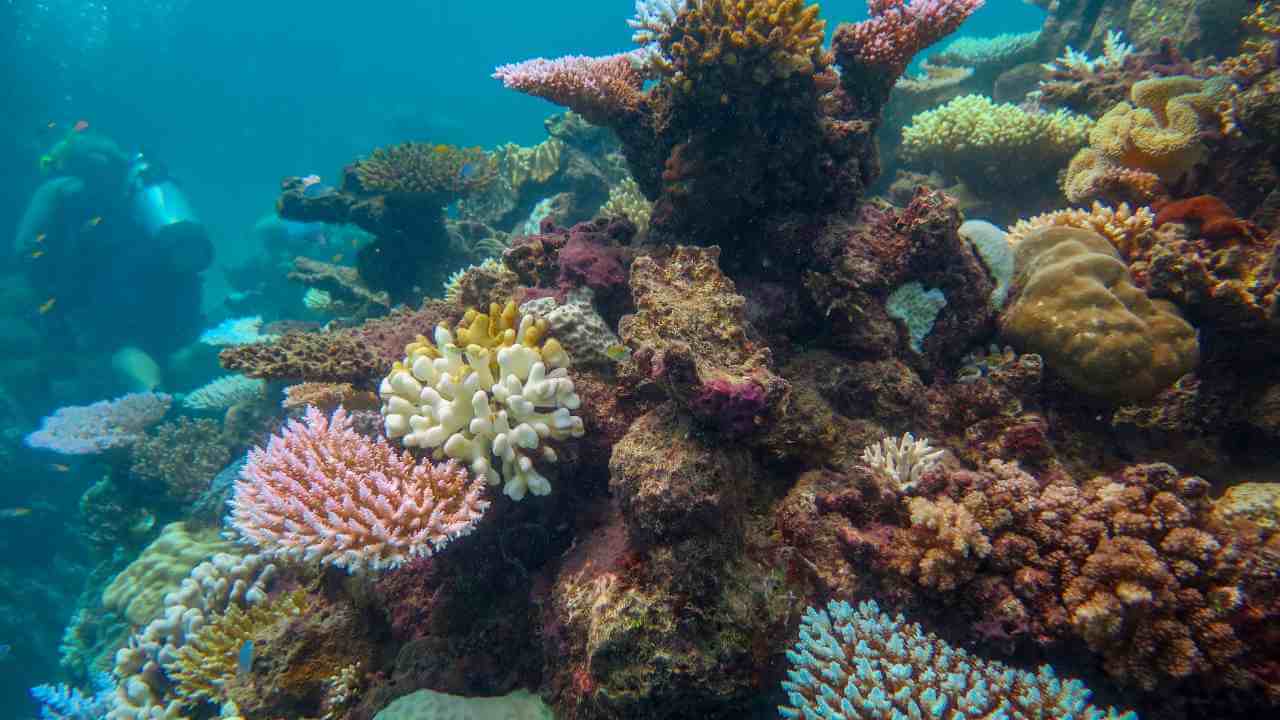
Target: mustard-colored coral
x=1081, y=312
x=993, y=145
x=444, y=172
x=944, y=545
x=517, y=165
x=328, y=396
x=202, y=668
x=1157, y=135
x=716, y=45
x=312, y=357
x=1128, y=230
x=1256, y=502
x=138, y=591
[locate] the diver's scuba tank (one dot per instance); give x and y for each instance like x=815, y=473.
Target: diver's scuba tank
x=163, y=212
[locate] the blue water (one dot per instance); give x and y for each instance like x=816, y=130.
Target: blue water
x=231, y=96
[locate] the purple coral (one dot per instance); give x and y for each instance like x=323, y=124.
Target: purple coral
x=590, y=264
x=730, y=406
x=598, y=88
x=96, y=428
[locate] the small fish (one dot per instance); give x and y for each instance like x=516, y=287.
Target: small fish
x=59, y=467
x=94, y=221
x=336, y=258
x=245, y=660
x=52, y=125
x=40, y=238
x=310, y=180
x=15, y=512
x=81, y=125
x=47, y=305
x=467, y=170
x=618, y=352
x=36, y=254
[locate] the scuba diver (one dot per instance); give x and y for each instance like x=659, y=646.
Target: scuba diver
x=114, y=246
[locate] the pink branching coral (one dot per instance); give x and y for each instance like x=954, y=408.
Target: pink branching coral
x=320, y=490
x=898, y=29
x=598, y=88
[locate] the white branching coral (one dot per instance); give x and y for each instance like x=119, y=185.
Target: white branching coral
x=653, y=18
x=490, y=395
x=904, y=459
x=1114, y=52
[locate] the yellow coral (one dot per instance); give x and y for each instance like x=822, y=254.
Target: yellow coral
x=201, y=669
x=992, y=145
x=518, y=165
x=443, y=171
x=626, y=200
x=138, y=591
x=715, y=43
x=1128, y=230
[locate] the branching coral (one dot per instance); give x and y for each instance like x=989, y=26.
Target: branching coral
x=600, y=89
x=322, y=491
x=443, y=172
x=182, y=456
x=1129, y=230
x=902, y=460
x=993, y=146
x=493, y=390
x=209, y=661
x=861, y=664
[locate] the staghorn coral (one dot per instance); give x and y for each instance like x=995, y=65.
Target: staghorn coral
x=441, y=172
x=204, y=667
x=993, y=148
x=493, y=390
x=1078, y=308
x=182, y=456
x=321, y=491
x=1130, y=231
x=310, y=357
x=862, y=664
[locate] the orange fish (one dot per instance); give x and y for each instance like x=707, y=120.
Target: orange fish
x=36, y=254
x=59, y=467
x=336, y=258
x=48, y=305
x=40, y=238
x=81, y=125
x=15, y=512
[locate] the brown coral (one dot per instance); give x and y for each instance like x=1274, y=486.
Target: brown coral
x=310, y=357
x=1078, y=308
x=182, y=455
x=443, y=172
x=328, y=396
x=943, y=546
x=1128, y=230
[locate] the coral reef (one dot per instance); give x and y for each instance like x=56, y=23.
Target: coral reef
x=850, y=663
x=182, y=456
x=690, y=334
x=496, y=393
x=1077, y=307
x=309, y=357
x=102, y=426
x=322, y=491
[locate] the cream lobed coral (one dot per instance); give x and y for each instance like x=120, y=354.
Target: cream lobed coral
x=490, y=395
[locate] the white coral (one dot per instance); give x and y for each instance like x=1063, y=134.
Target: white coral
x=456, y=405
x=904, y=459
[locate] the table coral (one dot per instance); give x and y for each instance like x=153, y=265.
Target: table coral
x=310, y=357
x=102, y=426
x=489, y=395
x=442, y=172
x=321, y=491
x=1078, y=308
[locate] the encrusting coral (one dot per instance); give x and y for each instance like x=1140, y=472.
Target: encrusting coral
x=310, y=357
x=321, y=491
x=1078, y=308
x=489, y=395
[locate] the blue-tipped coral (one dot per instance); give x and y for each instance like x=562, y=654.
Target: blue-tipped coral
x=863, y=664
